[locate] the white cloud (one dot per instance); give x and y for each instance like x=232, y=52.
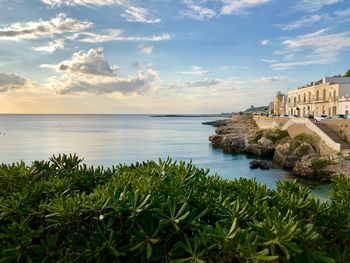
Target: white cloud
x=197, y=11
x=345, y=12
x=147, y=49
x=312, y=49
x=196, y=70
x=9, y=82
x=51, y=47
x=43, y=28
x=89, y=72
x=141, y=15
x=272, y=79
x=228, y=67
x=303, y=22
x=265, y=42
x=55, y=3
x=201, y=83
x=269, y=61
x=235, y=7
x=90, y=63
x=117, y=35
x=315, y=5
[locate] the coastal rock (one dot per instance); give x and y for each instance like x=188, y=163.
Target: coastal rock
x=319, y=168
x=303, y=169
x=284, y=155
x=264, y=165
x=233, y=144
x=229, y=143
x=265, y=142
x=216, y=140
x=259, y=150
x=309, y=156
x=254, y=165
x=218, y=123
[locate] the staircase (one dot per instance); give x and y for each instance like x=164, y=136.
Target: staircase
x=344, y=146
x=327, y=135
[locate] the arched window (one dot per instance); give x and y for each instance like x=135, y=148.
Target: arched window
x=304, y=97
x=324, y=94
x=318, y=95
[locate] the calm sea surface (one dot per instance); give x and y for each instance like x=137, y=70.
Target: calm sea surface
x=111, y=139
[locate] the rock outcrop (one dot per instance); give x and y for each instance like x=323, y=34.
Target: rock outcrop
x=299, y=154
x=285, y=156
x=238, y=136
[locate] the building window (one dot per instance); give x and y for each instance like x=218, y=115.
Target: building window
x=324, y=94
x=318, y=95
x=304, y=97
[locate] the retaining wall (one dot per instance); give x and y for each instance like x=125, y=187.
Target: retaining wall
x=264, y=122
x=341, y=127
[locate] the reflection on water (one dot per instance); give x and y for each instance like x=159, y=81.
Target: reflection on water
x=111, y=139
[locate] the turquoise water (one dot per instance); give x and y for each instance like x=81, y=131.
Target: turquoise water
x=111, y=139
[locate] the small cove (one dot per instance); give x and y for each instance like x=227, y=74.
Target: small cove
x=111, y=139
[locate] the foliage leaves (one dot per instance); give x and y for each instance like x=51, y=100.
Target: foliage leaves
x=63, y=211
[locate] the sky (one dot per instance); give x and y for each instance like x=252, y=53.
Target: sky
x=165, y=56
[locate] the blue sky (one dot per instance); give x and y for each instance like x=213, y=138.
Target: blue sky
x=162, y=56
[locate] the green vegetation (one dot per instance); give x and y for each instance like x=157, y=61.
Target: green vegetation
x=347, y=74
x=305, y=138
x=318, y=164
x=302, y=150
x=273, y=135
x=63, y=211
x=276, y=135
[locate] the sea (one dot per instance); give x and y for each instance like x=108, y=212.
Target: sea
x=107, y=140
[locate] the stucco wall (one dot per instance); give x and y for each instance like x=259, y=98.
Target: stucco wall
x=264, y=122
x=342, y=127
x=297, y=129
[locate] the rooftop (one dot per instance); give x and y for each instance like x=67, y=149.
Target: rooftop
x=331, y=80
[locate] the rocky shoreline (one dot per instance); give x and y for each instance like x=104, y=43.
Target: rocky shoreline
x=300, y=155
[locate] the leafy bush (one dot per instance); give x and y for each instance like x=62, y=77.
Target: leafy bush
x=63, y=211
x=276, y=135
x=305, y=138
x=273, y=135
x=318, y=164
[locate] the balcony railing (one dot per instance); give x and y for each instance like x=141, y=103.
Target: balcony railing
x=320, y=100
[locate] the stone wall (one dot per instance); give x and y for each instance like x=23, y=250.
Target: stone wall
x=341, y=127
x=264, y=122
x=241, y=117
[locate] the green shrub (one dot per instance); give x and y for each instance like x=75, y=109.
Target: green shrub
x=302, y=150
x=305, y=138
x=64, y=211
x=318, y=164
x=273, y=135
x=257, y=136
x=276, y=135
